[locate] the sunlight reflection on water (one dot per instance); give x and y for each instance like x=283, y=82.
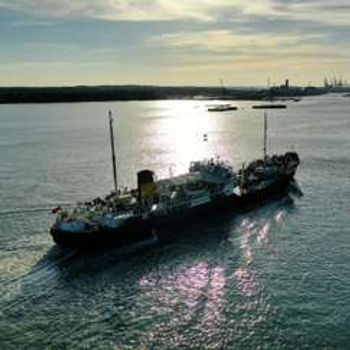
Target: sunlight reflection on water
x=181, y=130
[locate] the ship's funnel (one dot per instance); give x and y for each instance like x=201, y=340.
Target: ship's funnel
x=145, y=184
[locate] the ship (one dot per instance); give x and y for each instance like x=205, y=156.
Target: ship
x=208, y=187
x=270, y=106
x=222, y=108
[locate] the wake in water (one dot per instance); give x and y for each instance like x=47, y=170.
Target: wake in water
x=32, y=210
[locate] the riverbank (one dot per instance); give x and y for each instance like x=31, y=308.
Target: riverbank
x=142, y=93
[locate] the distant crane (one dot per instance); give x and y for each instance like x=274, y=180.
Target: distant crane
x=223, y=90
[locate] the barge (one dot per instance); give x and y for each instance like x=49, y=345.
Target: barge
x=270, y=106
x=222, y=108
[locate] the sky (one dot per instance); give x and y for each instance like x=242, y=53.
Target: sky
x=173, y=42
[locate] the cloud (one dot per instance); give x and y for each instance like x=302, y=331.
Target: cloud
x=137, y=10
x=321, y=11
x=333, y=13
x=130, y=10
x=249, y=56
x=226, y=40
x=60, y=8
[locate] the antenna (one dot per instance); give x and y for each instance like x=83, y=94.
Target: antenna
x=111, y=133
x=265, y=135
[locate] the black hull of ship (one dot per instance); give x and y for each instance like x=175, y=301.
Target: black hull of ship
x=178, y=219
x=140, y=228
x=132, y=232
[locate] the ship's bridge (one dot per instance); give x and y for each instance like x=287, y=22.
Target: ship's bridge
x=212, y=171
x=178, y=181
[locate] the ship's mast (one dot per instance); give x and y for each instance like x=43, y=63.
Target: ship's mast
x=111, y=133
x=265, y=135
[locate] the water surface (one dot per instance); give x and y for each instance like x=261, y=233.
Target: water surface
x=274, y=277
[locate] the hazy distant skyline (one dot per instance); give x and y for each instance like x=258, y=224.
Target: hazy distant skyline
x=164, y=42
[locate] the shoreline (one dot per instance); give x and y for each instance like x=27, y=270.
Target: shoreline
x=16, y=95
